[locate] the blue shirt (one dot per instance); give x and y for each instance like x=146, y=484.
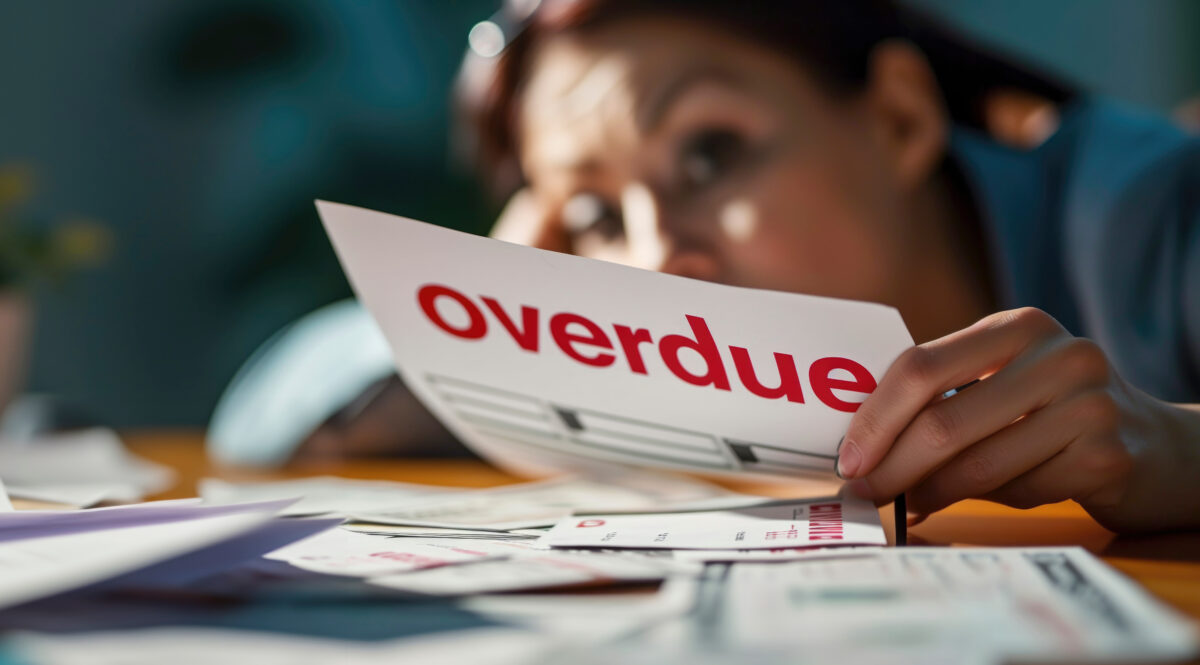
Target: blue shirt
x=1100, y=227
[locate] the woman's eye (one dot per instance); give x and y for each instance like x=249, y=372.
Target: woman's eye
x=588, y=213
x=709, y=154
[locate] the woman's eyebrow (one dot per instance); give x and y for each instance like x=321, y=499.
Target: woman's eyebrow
x=650, y=113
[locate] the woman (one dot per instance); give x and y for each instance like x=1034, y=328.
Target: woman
x=842, y=149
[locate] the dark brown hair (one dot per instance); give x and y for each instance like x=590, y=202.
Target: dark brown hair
x=833, y=39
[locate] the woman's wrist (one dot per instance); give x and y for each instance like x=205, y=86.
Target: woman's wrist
x=1162, y=490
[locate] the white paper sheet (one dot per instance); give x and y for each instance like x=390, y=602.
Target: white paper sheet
x=402, y=530
x=37, y=567
x=544, y=503
x=23, y=524
x=782, y=554
x=533, y=571
x=75, y=495
x=325, y=495
x=227, y=559
x=699, y=652
x=342, y=552
x=543, y=360
x=1009, y=604
x=202, y=646
x=772, y=525
x=589, y=620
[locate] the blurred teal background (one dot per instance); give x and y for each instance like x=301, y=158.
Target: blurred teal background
x=1146, y=52
x=199, y=131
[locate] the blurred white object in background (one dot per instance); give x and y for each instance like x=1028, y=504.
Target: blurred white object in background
x=80, y=468
x=5, y=505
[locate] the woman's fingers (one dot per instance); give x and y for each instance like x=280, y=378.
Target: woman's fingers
x=1010, y=453
x=1092, y=469
x=948, y=429
x=525, y=222
x=926, y=371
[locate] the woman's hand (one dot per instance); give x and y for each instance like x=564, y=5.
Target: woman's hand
x=386, y=420
x=1049, y=420
x=524, y=222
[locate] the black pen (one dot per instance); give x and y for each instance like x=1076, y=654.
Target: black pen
x=900, y=518
x=900, y=505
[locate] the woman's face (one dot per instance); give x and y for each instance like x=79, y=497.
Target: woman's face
x=672, y=146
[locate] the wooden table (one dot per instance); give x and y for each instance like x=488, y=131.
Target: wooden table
x=1168, y=565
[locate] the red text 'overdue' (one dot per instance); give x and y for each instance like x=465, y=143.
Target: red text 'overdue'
x=582, y=340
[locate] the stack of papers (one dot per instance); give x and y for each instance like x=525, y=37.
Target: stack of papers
x=526, y=505
x=44, y=553
x=558, y=533
x=807, y=577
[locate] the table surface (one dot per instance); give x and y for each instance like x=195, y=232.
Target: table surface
x=1168, y=565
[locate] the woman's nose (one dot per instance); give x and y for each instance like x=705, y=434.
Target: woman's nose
x=657, y=241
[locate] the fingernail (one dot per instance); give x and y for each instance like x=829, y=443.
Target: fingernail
x=849, y=459
x=861, y=488
x=916, y=518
